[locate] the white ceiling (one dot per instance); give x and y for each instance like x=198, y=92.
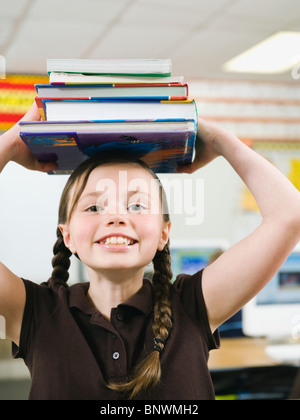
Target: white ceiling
x=198, y=35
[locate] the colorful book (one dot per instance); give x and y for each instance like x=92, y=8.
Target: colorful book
x=132, y=67
x=164, y=150
x=55, y=109
x=116, y=91
x=77, y=78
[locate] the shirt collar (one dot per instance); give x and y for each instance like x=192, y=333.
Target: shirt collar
x=142, y=300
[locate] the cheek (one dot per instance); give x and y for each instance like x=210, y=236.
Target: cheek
x=151, y=229
x=81, y=232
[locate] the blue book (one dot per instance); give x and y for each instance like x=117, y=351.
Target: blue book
x=164, y=145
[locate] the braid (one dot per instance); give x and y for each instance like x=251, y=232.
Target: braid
x=161, y=283
x=147, y=374
x=61, y=259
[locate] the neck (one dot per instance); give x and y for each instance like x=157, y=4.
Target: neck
x=108, y=290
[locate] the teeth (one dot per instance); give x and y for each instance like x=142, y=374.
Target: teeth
x=118, y=240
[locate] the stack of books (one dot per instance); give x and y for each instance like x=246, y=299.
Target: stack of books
x=129, y=106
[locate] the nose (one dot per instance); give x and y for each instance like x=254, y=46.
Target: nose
x=116, y=220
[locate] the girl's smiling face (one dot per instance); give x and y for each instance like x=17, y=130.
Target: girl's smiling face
x=117, y=222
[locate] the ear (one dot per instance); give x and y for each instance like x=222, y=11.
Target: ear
x=164, y=236
x=65, y=231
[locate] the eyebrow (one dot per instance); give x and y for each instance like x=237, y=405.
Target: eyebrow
x=134, y=192
x=90, y=195
x=94, y=194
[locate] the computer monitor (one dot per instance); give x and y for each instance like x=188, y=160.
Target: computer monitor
x=275, y=311
x=190, y=256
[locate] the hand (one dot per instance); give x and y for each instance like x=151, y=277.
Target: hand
x=206, y=146
x=19, y=152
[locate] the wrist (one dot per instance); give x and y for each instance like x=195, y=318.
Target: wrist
x=225, y=143
x=215, y=138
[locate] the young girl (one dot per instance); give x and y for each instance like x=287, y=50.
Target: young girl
x=121, y=336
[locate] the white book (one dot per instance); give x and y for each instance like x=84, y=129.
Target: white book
x=78, y=78
x=111, y=66
x=97, y=126
x=78, y=110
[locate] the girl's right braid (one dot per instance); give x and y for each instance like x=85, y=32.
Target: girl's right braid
x=162, y=322
x=61, y=260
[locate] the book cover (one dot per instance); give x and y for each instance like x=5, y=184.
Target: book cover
x=162, y=151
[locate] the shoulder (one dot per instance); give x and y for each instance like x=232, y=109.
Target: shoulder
x=53, y=290
x=41, y=302
x=41, y=298
x=188, y=290
x=186, y=285
x=48, y=289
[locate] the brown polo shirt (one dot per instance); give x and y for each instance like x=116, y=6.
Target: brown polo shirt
x=72, y=351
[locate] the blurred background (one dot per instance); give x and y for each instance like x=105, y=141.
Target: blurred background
x=241, y=60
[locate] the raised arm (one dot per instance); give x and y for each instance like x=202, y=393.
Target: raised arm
x=12, y=290
x=243, y=270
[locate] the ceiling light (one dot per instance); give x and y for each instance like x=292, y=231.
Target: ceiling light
x=277, y=54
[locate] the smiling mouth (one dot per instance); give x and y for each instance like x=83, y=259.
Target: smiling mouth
x=117, y=240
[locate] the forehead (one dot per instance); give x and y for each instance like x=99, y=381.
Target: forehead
x=121, y=176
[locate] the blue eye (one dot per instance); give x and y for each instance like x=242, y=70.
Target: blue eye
x=136, y=208
x=94, y=209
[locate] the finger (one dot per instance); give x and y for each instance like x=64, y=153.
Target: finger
x=33, y=164
x=33, y=114
x=188, y=169
x=46, y=166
